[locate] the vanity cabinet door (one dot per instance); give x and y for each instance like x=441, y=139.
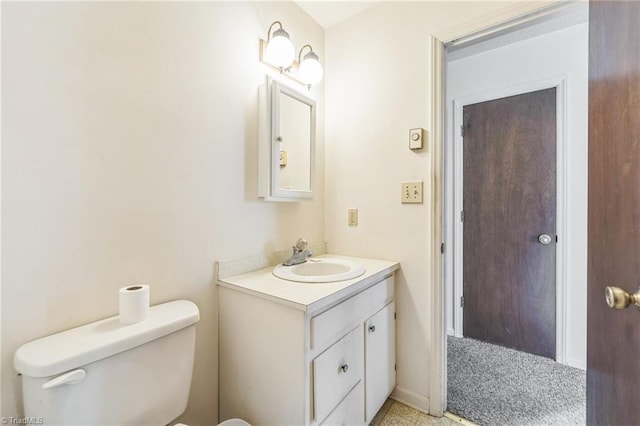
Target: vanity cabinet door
x=380, y=359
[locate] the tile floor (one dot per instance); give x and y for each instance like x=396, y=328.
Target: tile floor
x=393, y=413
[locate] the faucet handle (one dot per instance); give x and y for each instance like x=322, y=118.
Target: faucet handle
x=301, y=244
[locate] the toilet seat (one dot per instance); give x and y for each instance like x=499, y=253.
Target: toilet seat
x=230, y=422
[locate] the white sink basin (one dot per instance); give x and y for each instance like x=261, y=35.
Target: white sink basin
x=322, y=270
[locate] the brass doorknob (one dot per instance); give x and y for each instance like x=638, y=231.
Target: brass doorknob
x=617, y=298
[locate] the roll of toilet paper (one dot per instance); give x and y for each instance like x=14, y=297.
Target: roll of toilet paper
x=134, y=303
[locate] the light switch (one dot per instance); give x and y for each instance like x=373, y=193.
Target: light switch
x=411, y=192
x=416, y=138
x=352, y=217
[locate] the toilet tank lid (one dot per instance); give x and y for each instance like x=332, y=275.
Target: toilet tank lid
x=91, y=342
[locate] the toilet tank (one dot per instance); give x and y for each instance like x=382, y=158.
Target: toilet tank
x=107, y=373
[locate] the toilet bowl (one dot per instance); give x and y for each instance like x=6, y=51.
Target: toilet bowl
x=234, y=422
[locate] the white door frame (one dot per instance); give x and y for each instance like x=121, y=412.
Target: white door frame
x=559, y=83
x=507, y=18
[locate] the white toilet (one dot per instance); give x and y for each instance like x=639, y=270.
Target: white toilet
x=107, y=373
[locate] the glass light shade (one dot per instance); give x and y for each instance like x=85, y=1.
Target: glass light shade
x=310, y=71
x=280, y=51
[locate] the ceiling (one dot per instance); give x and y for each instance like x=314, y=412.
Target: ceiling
x=331, y=12
x=573, y=14
x=328, y=13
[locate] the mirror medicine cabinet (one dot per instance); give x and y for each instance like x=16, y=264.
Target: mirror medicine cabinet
x=287, y=139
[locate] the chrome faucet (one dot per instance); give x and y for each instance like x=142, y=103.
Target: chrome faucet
x=300, y=253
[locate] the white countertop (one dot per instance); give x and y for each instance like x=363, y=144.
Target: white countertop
x=309, y=297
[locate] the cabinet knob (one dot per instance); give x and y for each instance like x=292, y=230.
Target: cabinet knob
x=344, y=368
x=372, y=328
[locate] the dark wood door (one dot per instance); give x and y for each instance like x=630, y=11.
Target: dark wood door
x=613, y=337
x=509, y=200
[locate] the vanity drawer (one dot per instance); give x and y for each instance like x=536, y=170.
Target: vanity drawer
x=330, y=324
x=350, y=410
x=336, y=371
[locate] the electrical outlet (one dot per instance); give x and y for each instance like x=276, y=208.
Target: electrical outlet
x=411, y=192
x=352, y=217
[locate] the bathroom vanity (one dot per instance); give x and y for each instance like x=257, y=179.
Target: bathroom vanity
x=295, y=353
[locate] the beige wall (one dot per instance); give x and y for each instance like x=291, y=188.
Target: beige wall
x=378, y=81
x=129, y=155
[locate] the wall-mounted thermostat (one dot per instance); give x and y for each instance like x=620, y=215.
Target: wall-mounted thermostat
x=416, y=138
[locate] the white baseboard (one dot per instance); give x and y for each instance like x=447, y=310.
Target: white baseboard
x=411, y=399
x=576, y=363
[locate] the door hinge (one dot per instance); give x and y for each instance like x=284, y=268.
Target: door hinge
x=462, y=216
x=556, y=238
x=395, y=367
x=462, y=130
x=442, y=248
x=394, y=315
x=462, y=302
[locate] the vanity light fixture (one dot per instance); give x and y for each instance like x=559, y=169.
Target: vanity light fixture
x=310, y=70
x=279, y=51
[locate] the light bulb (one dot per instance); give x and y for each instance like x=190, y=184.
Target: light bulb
x=310, y=71
x=280, y=51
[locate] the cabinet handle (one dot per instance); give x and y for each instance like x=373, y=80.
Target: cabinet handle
x=344, y=368
x=372, y=328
